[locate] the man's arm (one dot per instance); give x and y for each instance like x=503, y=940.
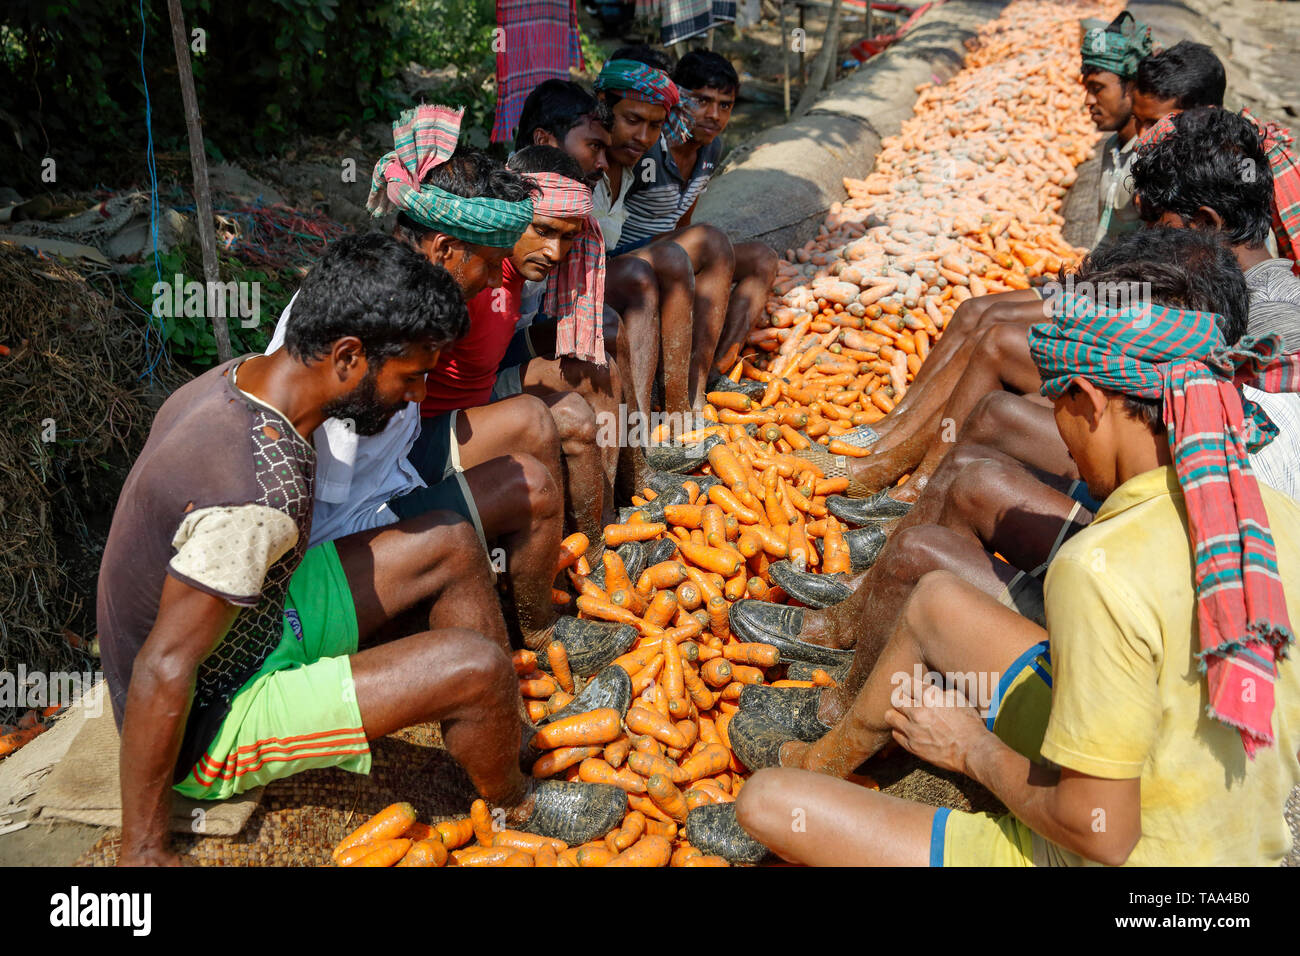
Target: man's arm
x=189, y=625
x=1097, y=818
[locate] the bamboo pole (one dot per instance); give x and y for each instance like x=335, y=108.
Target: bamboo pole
x=823, y=63
x=199, y=167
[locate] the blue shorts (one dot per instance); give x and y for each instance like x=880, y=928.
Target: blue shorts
x=1018, y=715
x=631, y=246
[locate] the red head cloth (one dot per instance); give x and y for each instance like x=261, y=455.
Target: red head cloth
x=575, y=292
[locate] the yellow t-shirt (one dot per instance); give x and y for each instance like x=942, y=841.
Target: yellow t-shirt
x=1128, y=698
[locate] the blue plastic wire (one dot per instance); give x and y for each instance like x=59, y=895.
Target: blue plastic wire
x=152, y=358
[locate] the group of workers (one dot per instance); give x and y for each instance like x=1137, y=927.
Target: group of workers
x=347, y=535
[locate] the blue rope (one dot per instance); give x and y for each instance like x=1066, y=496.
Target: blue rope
x=151, y=357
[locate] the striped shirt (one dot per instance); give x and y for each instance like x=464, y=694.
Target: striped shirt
x=1274, y=302
x=661, y=195
x=1275, y=309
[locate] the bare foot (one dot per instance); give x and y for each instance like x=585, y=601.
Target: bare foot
x=833, y=627
x=876, y=471
x=793, y=752
x=537, y=640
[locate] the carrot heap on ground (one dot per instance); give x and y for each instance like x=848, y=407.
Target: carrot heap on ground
x=964, y=201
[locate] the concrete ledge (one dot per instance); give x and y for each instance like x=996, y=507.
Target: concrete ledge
x=780, y=187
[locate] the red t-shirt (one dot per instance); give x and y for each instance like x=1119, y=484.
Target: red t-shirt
x=467, y=370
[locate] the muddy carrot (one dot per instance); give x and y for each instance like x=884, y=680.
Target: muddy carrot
x=757, y=655
x=616, y=751
x=387, y=824
x=581, y=730
x=595, y=770
x=650, y=850
x=562, y=758
x=617, y=534
x=642, y=720
x=559, y=661
x=571, y=549
x=667, y=797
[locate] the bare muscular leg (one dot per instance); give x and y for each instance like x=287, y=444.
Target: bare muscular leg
x=946, y=625
x=754, y=274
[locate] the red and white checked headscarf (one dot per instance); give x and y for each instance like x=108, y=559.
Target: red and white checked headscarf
x=575, y=292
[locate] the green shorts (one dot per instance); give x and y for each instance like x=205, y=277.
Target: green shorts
x=299, y=711
x=436, y=456
x=1018, y=715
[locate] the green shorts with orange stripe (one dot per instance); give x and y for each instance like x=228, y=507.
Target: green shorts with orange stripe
x=299, y=712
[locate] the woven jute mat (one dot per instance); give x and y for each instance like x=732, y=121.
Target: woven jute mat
x=302, y=818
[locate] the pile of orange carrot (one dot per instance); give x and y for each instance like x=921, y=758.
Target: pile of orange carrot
x=964, y=201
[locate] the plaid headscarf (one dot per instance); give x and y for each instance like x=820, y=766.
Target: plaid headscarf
x=1179, y=357
x=636, y=81
x=1120, y=51
x=1279, y=144
x=575, y=291
x=425, y=137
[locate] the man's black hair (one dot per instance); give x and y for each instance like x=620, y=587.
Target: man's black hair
x=704, y=68
x=472, y=174
x=641, y=54
x=1189, y=268
x=557, y=106
x=545, y=159
x=1187, y=73
x=644, y=54
x=380, y=290
x=1212, y=158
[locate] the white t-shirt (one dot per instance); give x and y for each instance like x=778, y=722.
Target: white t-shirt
x=611, y=213
x=357, y=475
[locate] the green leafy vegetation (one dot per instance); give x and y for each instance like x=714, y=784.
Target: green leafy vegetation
x=190, y=337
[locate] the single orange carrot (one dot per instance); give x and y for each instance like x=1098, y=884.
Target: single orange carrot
x=598, y=726
x=425, y=853
x=384, y=853
x=387, y=824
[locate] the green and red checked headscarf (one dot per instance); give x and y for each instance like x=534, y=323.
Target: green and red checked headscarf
x=1179, y=357
x=1279, y=147
x=1117, y=48
x=575, y=291
x=423, y=138
x=643, y=83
